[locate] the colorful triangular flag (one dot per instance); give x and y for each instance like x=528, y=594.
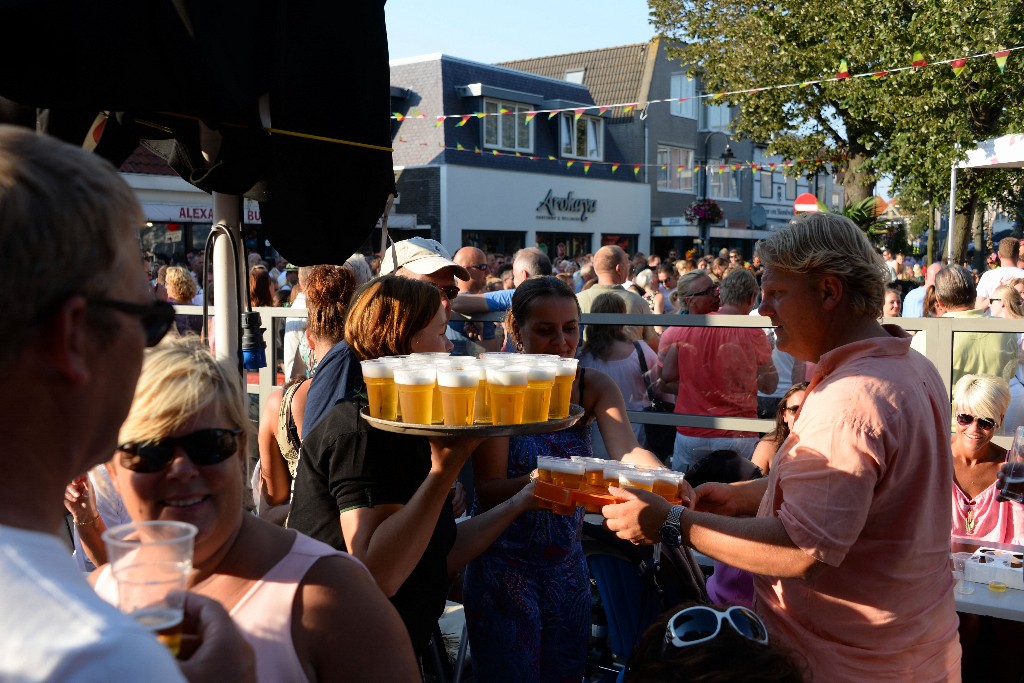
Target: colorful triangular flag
x=629, y=108
x=919, y=60
x=636, y=169
x=1001, y=59
x=464, y=118
x=398, y=116
x=586, y=168
x=569, y=164
x=529, y=116
x=459, y=147
x=958, y=66
x=844, y=70
x=879, y=74
x=577, y=113
x=615, y=167
x=551, y=157
x=440, y=121
x=476, y=150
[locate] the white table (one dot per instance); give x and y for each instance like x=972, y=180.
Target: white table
x=1006, y=605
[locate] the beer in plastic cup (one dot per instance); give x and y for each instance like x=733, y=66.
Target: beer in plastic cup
x=568, y=474
x=540, y=378
x=666, y=484
x=437, y=360
x=544, y=463
x=507, y=386
x=637, y=479
x=458, y=387
x=416, y=393
x=380, y=389
x=151, y=561
x=561, y=392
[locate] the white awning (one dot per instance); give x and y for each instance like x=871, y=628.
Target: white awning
x=1004, y=152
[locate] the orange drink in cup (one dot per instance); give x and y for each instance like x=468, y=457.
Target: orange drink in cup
x=568, y=475
x=416, y=393
x=458, y=387
x=381, y=392
x=540, y=379
x=507, y=387
x=561, y=391
x=637, y=479
x=666, y=484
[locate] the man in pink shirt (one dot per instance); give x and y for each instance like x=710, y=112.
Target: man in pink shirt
x=850, y=541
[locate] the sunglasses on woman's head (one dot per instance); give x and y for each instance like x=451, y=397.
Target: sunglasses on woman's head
x=203, y=447
x=699, y=624
x=965, y=420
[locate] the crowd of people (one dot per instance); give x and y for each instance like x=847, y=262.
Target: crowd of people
x=831, y=550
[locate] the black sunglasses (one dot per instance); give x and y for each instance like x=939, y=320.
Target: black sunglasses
x=157, y=317
x=203, y=447
x=449, y=291
x=964, y=420
x=478, y=266
x=710, y=290
x=699, y=624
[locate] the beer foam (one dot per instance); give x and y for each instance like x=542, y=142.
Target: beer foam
x=565, y=466
x=376, y=369
x=458, y=378
x=544, y=372
x=416, y=375
x=508, y=376
x=566, y=367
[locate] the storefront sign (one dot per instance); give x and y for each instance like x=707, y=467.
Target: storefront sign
x=195, y=213
x=567, y=208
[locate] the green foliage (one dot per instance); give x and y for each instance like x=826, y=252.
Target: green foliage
x=912, y=125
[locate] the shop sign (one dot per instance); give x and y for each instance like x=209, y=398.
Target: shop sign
x=567, y=208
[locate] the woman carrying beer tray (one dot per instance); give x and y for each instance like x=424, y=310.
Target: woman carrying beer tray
x=527, y=597
x=392, y=490
x=181, y=459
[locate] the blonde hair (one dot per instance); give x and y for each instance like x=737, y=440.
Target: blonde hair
x=821, y=244
x=65, y=217
x=983, y=396
x=180, y=379
x=1011, y=300
x=181, y=286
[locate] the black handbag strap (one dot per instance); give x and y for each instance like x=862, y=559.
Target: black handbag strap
x=644, y=373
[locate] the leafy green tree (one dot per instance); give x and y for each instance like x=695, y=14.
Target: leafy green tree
x=909, y=124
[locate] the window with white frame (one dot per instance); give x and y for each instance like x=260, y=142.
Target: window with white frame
x=766, y=184
x=575, y=75
x=715, y=117
x=582, y=138
x=682, y=86
x=670, y=160
x=724, y=185
x=507, y=131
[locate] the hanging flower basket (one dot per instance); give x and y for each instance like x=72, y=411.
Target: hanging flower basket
x=706, y=210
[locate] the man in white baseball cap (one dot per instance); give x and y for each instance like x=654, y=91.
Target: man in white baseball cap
x=419, y=258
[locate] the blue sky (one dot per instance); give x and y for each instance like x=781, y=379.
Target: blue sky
x=488, y=32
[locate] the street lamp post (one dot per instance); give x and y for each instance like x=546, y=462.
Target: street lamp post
x=727, y=155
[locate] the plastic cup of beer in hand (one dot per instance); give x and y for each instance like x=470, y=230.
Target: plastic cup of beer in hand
x=540, y=379
x=666, y=484
x=416, y=393
x=567, y=474
x=151, y=561
x=1012, y=486
x=458, y=387
x=507, y=386
x=960, y=560
x=380, y=389
x=561, y=392
x=637, y=479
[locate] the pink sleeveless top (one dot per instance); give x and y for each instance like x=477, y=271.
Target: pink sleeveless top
x=264, y=613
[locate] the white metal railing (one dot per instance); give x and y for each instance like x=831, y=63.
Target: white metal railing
x=938, y=348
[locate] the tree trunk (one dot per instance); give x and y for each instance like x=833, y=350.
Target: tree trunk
x=857, y=184
x=960, y=234
x=977, y=228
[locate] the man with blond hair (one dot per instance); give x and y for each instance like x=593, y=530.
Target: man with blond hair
x=1009, y=249
x=70, y=358
x=848, y=536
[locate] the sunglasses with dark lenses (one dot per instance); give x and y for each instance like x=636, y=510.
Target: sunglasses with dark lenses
x=156, y=317
x=203, y=447
x=710, y=290
x=479, y=266
x=964, y=420
x=449, y=291
x=699, y=624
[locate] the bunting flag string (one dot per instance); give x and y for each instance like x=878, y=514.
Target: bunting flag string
x=918, y=62
x=679, y=170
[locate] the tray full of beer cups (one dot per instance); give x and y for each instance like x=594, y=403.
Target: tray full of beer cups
x=1000, y=569
x=498, y=394
x=562, y=484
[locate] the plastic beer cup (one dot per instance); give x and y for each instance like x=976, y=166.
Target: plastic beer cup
x=540, y=379
x=636, y=479
x=458, y=389
x=561, y=392
x=416, y=393
x=380, y=389
x=666, y=484
x=507, y=387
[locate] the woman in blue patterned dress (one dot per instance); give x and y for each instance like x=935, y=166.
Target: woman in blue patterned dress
x=527, y=597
